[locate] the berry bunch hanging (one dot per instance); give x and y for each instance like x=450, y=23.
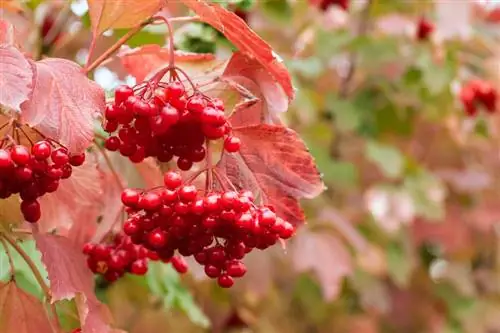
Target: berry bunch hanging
x=164, y=120
x=478, y=94
x=112, y=260
x=32, y=171
x=217, y=228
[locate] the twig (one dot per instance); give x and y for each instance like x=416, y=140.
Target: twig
x=57, y=27
x=110, y=165
x=114, y=47
x=345, y=83
x=11, y=262
x=209, y=181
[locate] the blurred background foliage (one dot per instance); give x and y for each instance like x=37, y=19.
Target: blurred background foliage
x=406, y=237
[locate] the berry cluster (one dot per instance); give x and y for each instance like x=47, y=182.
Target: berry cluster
x=218, y=228
x=478, y=93
x=113, y=260
x=33, y=173
x=168, y=123
x=424, y=29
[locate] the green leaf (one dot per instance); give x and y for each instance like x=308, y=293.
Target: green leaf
x=142, y=37
x=347, y=115
x=277, y=9
x=309, y=68
x=427, y=192
x=165, y=283
x=400, y=263
x=22, y=270
x=388, y=158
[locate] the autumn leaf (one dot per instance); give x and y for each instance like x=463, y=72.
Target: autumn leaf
x=70, y=278
x=254, y=76
x=6, y=33
x=141, y=61
x=274, y=162
x=63, y=103
x=15, y=77
x=326, y=256
x=245, y=39
x=114, y=14
x=74, y=200
x=21, y=312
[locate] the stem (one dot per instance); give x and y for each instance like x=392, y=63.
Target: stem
x=115, y=46
x=209, y=181
x=195, y=175
x=22, y=231
x=11, y=262
x=171, y=61
x=30, y=263
x=110, y=165
x=220, y=180
x=57, y=27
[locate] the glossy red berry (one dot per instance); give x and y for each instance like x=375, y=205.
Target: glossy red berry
x=179, y=264
x=139, y=267
x=130, y=197
x=20, y=155
x=41, y=150
x=31, y=211
x=232, y=144
x=225, y=281
x=172, y=180
x=77, y=159
x=122, y=93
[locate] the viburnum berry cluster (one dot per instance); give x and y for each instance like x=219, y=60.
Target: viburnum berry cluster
x=476, y=94
x=33, y=171
x=217, y=228
x=424, y=29
x=122, y=256
x=164, y=120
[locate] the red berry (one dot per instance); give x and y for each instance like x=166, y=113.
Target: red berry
x=232, y=144
x=131, y=228
x=88, y=248
x=60, y=156
x=267, y=218
x=41, y=150
x=157, y=239
x=172, y=180
x=175, y=90
x=77, y=159
x=31, y=211
x=236, y=268
x=424, y=29
x=23, y=173
x=225, y=281
x=112, y=143
x=184, y=164
x=139, y=267
x=130, y=197
x=122, y=93
x=179, y=264
x=187, y=193
x=196, y=104
x=212, y=271
x=150, y=201
x=20, y=155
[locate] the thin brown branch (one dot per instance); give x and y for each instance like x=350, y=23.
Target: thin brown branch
x=110, y=165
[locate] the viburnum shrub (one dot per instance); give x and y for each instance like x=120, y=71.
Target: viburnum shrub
x=233, y=173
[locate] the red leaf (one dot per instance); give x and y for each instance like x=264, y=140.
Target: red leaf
x=108, y=14
x=326, y=256
x=69, y=278
x=21, y=312
x=63, y=103
x=15, y=77
x=74, y=200
x=141, y=61
x=254, y=76
x=274, y=162
x=6, y=33
x=247, y=41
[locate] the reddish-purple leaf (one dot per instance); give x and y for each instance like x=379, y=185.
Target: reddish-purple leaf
x=255, y=77
x=69, y=278
x=109, y=14
x=6, y=33
x=21, y=312
x=274, y=162
x=74, y=199
x=245, y=39
x=15, y=77
x=63, y=103
x=141, y=61
x=326, y=256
